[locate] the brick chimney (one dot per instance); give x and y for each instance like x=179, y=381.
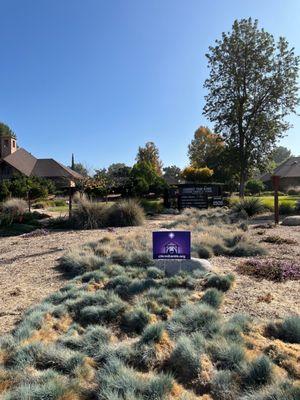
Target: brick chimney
x=8, y=145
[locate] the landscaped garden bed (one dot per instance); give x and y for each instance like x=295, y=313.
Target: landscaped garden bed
x=122, y=329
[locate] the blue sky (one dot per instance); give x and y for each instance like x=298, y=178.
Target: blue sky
x=101, y=77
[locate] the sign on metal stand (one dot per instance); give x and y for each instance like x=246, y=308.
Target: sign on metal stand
x=172, y=245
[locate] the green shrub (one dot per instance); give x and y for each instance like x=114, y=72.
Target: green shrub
x=191, y=318
x=203, y=251
x=251, y=206
x=96, y=314
x=76, y=262
x=212, y=297
x=227, y=356
x=222, y=283
x=120, y=257
x=255, y=186
x=52, y=390
x=136, y=320
x=155, y=273
x=141, y=259
x=125, y=213
x=13, y=210
x=286, y=209
x=184, y=361
x=281, y=391
x=288, y=330
x=117, y=381
x=223, y=386
x=258, y=372
x=88, y=214
x=293, y=191
x=247, y=249
x=152, y=333
x=93, y=338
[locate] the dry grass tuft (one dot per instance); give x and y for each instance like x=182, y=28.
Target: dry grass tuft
x=7, y=380
x=164, y=347
x=207, y=371
x=51, y=329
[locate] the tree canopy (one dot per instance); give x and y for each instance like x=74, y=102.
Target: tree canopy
x=150, y=154
x=205, y=148
x=6, y=131
x=251, y=89
x=280, y=154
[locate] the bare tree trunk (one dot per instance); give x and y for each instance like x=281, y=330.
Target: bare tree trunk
x=242, y=186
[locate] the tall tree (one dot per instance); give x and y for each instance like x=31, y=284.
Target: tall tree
x=150, y=154
x=80, y=168
x=205, y=148
x=6, y=131
x=251, y=88
x=172, y=174
x=280, y=154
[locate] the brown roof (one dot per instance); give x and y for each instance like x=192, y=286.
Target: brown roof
x=49, y=168
x=289, y=168
x=28, y=165
x=22, y=161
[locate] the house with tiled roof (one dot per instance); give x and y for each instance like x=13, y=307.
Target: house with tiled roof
x=15, y=161
x=289, y=173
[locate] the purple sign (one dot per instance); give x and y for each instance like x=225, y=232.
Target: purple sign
x=171, y=245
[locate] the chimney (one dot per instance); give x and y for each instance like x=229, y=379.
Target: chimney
x=8, y=145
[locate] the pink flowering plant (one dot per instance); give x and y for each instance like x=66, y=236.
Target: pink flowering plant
x=271, y=269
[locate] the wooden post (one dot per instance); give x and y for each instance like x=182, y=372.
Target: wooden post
x=275, y=179
x=71, y=188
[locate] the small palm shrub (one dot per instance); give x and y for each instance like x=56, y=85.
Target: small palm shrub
x=252, y=206
x=125, y=213
x=288, y=330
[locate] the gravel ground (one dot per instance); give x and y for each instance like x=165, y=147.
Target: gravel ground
x=28, y=273
x=264, y=299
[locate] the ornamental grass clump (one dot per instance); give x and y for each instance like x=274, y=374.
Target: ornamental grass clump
x=125, y=213
x=191, y=318
x=258, y=372
x=212, y=297
x=13, y=210
x=184, y=361
x=222, y=283
x=287, y=330
x=131, y=332
x=251, y=206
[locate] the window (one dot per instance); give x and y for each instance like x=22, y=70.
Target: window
x=14, y=143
